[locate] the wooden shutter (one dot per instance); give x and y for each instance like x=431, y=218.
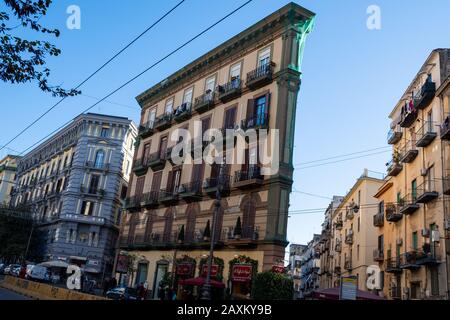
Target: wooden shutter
x=205, y=124
x=156, y=182
x=169, y=186
x=230, y=118
x=139, y=187
x=250, y=108
x=163, y=147
x=146, y=152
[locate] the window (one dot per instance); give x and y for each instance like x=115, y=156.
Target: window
x=414, y=241
x=359, y=223
x=146, y=152
x=87, y=208
x=235, y=71
x=188, y=93
x=357, y=252
x=414, y=189
x=163, y=147
x=99, y=159
x=169, y=106
x=127, y=167
x=264, y=57
x=261, y=110
x=93, y=185
x=104, y=133
x=210, y=84
x=381, y=207
x=151, y=117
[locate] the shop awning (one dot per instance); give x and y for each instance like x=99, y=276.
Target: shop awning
x=333, y=294
x=200, y=281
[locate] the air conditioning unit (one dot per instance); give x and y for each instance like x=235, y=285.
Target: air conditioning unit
x=399, y=242
x=426, y=233
x=423, y=172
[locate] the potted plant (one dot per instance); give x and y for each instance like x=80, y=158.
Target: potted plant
x=181, y=234
x=207, y=232
x=238, y=229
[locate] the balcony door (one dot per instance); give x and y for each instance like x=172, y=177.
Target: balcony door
x=191, y=219
x=93, y=185
x=139, y=188
x=173, y=181
x=414, y=190
x=248, y=219
x=163, y=147
x=156, y=182
x=230, y=118
x=210, y=84
x=261, y=106
x=168, y=227
x=146, y=153
x=264, y=57
x=151, y=117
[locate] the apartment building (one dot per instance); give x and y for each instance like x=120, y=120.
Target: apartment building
x=353, y=235
x=73, y=184
x=296, y=251
x=412, y=222
x=310, y=268
x=249, y=82
x=8, y=168
x=324, y=245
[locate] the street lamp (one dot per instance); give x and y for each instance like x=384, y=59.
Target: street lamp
x=206, y=294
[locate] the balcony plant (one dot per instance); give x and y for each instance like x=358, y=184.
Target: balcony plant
x=181, y=234
x=238, y=229
x=207, y=232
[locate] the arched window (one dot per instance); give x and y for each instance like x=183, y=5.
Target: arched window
x=168, y=227
x=99, y=158
x=248, y=219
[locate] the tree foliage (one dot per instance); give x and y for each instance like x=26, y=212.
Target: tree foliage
x=23, y=60
x=272, y=286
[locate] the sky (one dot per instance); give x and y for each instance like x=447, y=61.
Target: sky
x=352, y=77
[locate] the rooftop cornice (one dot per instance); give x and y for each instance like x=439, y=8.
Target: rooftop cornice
x=290, y=14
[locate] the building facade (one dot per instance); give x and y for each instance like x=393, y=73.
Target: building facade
x=73, y=184
x=296, y=251
x=249, y=82
x=412, y=222
x=310, y=268
x=8, y=169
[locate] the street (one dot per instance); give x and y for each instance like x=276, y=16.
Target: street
x=9, y=295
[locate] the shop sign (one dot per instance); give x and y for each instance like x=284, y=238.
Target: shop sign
x=278, y=269
x=241, y=272
x=122, y=263
x=214, y=270
x=184, y=269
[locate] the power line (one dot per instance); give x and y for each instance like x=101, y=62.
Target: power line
x=92, y=74
x=143, y=72
x=112, y=102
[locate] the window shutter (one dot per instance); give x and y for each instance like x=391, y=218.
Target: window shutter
x=170, y=182
x=250, y=108
x=156, y=182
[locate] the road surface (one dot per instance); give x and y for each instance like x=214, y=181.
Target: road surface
x=9, y=295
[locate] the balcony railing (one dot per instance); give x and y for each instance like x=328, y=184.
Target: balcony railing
x=447, y=183
x=157, y=160
x=393, y=213
x=394, y=135
x=426, y=134
x=426, y=192
x=408, y=118
x=337, y=270
x=223, y=183
x=260, y=121
x=339, y=224
x=87, y=191
x=338, y=247
x=204, y=102
x=393, y=265
x=96, y=166
x=133, y=203
x=348, y=264
x=260, y=76
x=168, y=197
x=230, y=90
x=394, y=167
x=408, y=204
x=428, y=258
x=140, y=166
x=163, y=122
x=445, y=128
x=151, y=199
x=349, y=238
x=378, y=220
x=248, y=178
x=147, y=129
x=378, y=255
x=408, y=260
x=191, y=191
x=183, y=112
x=408, y=152
x=425, y=96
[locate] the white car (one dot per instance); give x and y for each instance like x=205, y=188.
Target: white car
x=39, y=273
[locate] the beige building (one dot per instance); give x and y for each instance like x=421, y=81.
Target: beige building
x=249, y=82
x=352, y=234
x=8, y=170
x=413, y=217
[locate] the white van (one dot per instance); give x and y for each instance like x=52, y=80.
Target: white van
x=39, y=273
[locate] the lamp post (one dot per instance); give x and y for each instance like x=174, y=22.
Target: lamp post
x=206, y=294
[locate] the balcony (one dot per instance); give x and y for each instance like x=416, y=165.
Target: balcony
x=426, y=192
x=84, y=190
x=447, y=184
x=140, y=166
x=180, y=154
x=248, y=237
x=91, y=165
x=408, y=261
x=167, y=197
x=427, y=259
x=408, y=204
x=147, y=129
x=408, y=118
x=157, y=160
x=348, y=265
x=260, y=76
x=393, y=265
x=394, y=167
x=378, y=255
x=183, y=112
x=163, y=122
x=339, y=224
x=223, y=183
x=249, y=178
x=349, y=238
x=151, y=199
x=409, y=152
x=393, y=214
x=378, y=220
x=230, y=90
x=426, y=135
x=256, y=122
x=338, y=247
x=205, y=102
x=394, y=135
x=191, y=191
x=425, y=96
x=133, y=203
x=445, y=128
x=337, y=270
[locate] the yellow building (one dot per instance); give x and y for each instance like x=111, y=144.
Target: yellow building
x=8, y=170
x=413, y=217
x=249, y=82
x=353, y=237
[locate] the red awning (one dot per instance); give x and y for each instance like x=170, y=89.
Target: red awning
x=333, y=294
x=200, y=281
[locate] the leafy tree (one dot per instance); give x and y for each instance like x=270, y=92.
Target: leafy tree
x=272, y=286
x=23, y=60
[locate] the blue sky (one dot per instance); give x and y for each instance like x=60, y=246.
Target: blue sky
x=352, y=76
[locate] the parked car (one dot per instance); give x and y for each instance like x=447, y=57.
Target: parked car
x=29, y=268
x=16, y=271
x=39, y=273
x=122, y=293
x=2, y=268
x=9, y=269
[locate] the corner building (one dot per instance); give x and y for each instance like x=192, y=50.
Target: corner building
x=249, y=82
